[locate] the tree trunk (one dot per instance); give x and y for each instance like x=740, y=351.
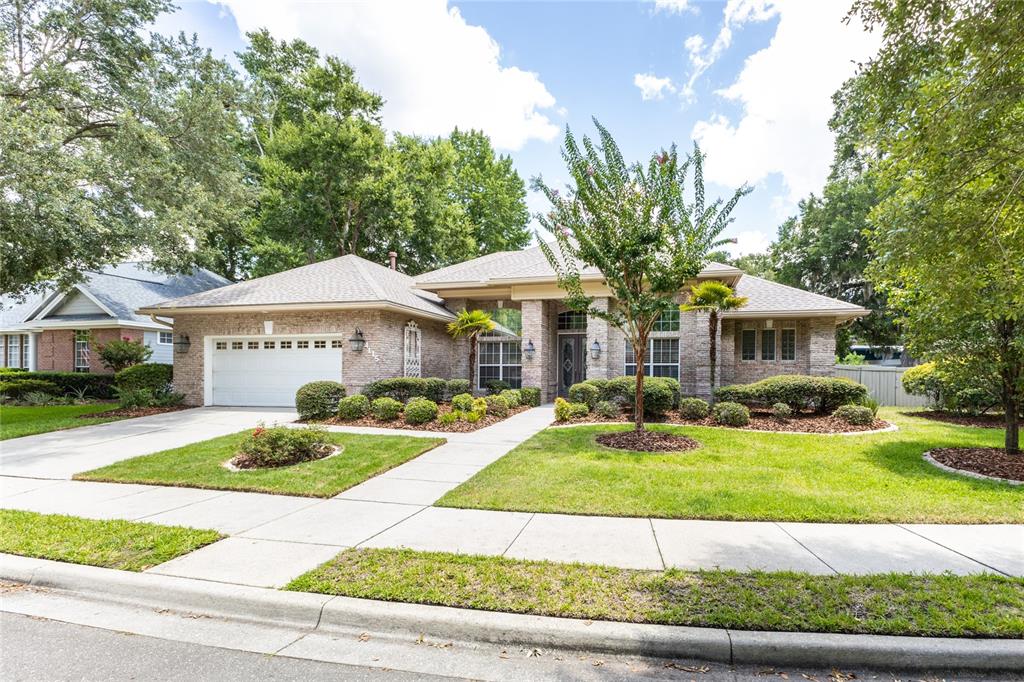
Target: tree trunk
x=640, y=352
x=472, y=365
x=713, y=348
x=1010, y=374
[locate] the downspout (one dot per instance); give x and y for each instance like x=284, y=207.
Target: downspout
x=152, y=316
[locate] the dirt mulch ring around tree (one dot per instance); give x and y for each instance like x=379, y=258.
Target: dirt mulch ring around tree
x=993, y=462
x=134, y=412
x=759, y=421
x=242, y=462
x=647, y=441
x=459, y=426
x=988, y=421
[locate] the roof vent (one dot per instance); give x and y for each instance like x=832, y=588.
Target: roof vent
x=393, y=257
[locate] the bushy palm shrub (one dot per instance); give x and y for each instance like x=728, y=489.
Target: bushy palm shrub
x=317, y=399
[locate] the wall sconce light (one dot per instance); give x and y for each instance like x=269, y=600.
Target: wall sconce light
x=595, y=350
x=182, y=345
x=529, y=350
x=357, y=342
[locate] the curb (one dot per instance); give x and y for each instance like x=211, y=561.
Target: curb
x=312, y=612
x=927, y=456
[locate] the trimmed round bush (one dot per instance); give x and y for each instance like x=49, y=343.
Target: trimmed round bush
x=584, y=393
x=854, y=414
x=420, y=411
x=385, y=409
x=529, y=396
x=607, y=409
x=731, y=414
x=353, y=407
x=462, y=402
x=659, y=393
x=513, y=397
x=565, y=410
x=153, y=376
x=454, y=387
x=496, y=405
x=315, y=400
x=693, y=408
x=782, y=411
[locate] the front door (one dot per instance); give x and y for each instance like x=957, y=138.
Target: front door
x=572, y=361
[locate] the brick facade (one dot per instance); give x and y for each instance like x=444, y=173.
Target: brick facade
x=55, y=348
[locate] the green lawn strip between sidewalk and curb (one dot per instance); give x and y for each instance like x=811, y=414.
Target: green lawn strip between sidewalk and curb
x=895, y=604
x=200, y=465
x=17, y=421
x=124, y=545
x=749, y=475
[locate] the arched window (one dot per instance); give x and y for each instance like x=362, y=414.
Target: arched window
x=412, y=350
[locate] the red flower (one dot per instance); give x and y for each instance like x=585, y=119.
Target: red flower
x=257, y=431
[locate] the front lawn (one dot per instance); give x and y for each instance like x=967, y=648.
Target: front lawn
x=124, y=545
x=200, y=465
x=894, y=604
x=17, y=421
x=743, y=475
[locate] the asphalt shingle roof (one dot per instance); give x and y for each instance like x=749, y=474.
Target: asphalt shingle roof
x=767, y=296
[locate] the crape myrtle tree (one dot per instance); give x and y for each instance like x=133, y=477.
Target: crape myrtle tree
x=635, y=224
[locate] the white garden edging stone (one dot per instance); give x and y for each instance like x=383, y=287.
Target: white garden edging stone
x=890, y=427
x=927, y=456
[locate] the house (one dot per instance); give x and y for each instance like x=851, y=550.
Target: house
x=58, y=330
x=350, y=320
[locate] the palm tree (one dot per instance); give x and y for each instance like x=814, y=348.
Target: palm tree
x=469, y=324
x=715, y=298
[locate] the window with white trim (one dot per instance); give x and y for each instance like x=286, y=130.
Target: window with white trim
x=500, y=360
x=748, y=342
x=789, y=344
x=165, y=338
x=767, y=344
x=411, y=345
x=82, y=350
x=668, y=321
x=662, y=359
x=17, y=350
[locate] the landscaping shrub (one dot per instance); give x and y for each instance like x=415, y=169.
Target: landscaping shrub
x=584, y=393
x=659, y=393
x=136, y=398
x=318, y=399
x=495, y=386
x=448, y=418
x=385, y=409
x=122, y=353
x=565, y=410
x=693, y=408
x=530, y=396
x=871, y=404
x=799, y=392
x=782, y=411
x=353, y=407
x=38, y=399
x=496, y=405
x=12, y=370
x=281, y=446
x=607, y=409
x=420, y=411
x=73, y=383
x=480, y=405
x=473, y=416
x=153, y=376
x=462, y=402
x=854, y=414
x=513, y=397
x=952, y=386
x=454, y=387
x=16, y=389
x=731, y=414
x=403, y=389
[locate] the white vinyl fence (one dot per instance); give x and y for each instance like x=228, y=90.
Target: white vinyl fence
x=884, y=384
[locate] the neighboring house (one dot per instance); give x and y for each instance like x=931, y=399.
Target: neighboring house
x=350, y=320
x=59, y=330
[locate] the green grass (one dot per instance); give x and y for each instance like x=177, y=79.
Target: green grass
x=896, y=604
x=124, y=545
x=17, y=421
x=746, y=475
x=200, y=465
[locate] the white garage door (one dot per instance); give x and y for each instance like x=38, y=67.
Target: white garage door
x=266, y=371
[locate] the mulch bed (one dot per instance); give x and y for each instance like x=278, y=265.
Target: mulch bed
x=984, y=461
x=455, y=427
x=988, y=421
x=133, y=412
x=759, y=421
x=647, y=441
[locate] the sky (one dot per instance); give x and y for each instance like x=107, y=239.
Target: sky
x=750, y=81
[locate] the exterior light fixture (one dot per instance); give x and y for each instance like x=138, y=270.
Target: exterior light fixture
x=357, y=342
x=182, y=345
x=529, y=350
x=595, y=350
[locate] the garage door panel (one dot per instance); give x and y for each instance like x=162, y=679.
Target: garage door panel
x=262, y=373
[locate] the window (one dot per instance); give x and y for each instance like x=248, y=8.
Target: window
x=571, y=320
x=221, y=345
x=411, y=345
x=302, y=344
x=82, y=351
x=253, y=345
x=667, y=322
x=165, y=338
x=320, y=343
x=662, y=359
x=286, y=345
x=336, y=343
x=236, y=345
x=748, y=337
x=767, y=344
x=269, y=345
x=789, y=344
x=17, y=350
x=500, y=360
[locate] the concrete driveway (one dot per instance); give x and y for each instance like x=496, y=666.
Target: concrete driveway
x=61, y=454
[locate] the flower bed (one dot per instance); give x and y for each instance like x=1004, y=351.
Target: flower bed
x=803, y=422
x=990, y=462
x=459, y=426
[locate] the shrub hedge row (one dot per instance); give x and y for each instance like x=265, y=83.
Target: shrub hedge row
x=70, y=383
x=799, y=392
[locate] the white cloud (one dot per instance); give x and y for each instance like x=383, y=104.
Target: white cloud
x=674, y=6
x=652, y=87
x=435, y=70
x=785, y=92
x=749, y=241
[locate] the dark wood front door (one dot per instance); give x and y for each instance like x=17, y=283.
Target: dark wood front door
x=572, y=361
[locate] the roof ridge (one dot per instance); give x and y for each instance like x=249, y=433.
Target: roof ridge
x=377, y=289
